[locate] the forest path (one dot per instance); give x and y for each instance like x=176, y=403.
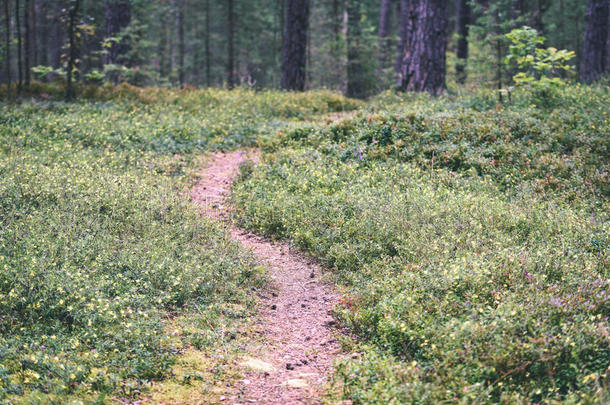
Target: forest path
x=294, y=361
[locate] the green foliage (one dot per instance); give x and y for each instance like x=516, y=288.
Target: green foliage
x=89, y=268
x=95, y=76
x=99, y=248
x=491, y=22
x=559, y=154
x=466, y=287
x=46, y=72
x=537, y=67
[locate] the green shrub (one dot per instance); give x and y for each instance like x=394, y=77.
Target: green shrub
x=493, y=297
x=91, y=258
x=537, y=68
x=100, y=250
x=560, y=153
x=472, y=242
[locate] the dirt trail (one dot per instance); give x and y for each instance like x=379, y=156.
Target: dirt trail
x=294, y=362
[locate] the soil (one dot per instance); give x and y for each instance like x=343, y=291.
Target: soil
x=294, y=363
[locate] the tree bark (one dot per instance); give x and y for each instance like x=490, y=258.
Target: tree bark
x=44, y=39
x=28, y=42
x=355, y=80
x=406, y=12
x=72, y=51
x=499, y=70
x=608, y=42
x=231, y=52
x=117, y=18
x=423, y=67
x=180, y=12
x=595, y=59
x=294, y=49
x=56, y=36
x=19, y=46
x=336, y=22
x=33, y=33
x=384, y=33
x=207, y=45
x=164, y=63
x=463, y=23
x=7, y=47
x=278, y=26
x=170, y=38
x=197, y=68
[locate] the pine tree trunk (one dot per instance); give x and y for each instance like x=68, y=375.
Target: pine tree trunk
x=72, y=49
x=56, y=36
x=463, y=22
x=180, y=12
x=384, y=33
x=170, y=28
x=423, y=67
x=117, y=18
x=231, y=53
x=561, y=24
x=19, y=46
x=355, y=82
x=278, y=26
x=162, y=48
x=175, y=40
x=336, y=23
x=499, y=70
x=33, y=33
x=294, y=50
x=28, y=42
x=336, y=51
x=594, y=62
x=208, y=79
x=406, y=12
x=7, y=47
x=607, y=67
x=43, y=40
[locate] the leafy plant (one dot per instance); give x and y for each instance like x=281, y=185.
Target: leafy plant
x=538, y=68
x=45, y=72
x=470, y=242
x=99, y=246
x=95, y=76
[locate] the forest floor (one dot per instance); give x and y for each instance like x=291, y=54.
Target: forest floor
x=292, y=360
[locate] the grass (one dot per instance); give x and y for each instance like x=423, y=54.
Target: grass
x=470, y=275
x=100, y=251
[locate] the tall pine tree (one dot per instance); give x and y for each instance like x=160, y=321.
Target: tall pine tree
x=294, y=50
x=595, y=58
x=423, y=59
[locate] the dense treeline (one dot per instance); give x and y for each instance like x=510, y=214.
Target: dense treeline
x=356, y=46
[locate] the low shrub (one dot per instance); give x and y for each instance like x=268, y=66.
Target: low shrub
x=464, y=292
x=100, y=251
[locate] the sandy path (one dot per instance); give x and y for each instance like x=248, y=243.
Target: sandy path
x=294, y=363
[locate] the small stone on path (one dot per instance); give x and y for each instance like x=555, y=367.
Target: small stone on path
x=258, y=365
x=296, y=383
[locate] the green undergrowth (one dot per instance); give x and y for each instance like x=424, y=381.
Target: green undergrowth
x=109, y=276
x=561, y=152
x=94, y=257
x=465, y=281
x=163, y=121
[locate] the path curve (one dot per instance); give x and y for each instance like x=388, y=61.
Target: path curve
x=294, y=364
